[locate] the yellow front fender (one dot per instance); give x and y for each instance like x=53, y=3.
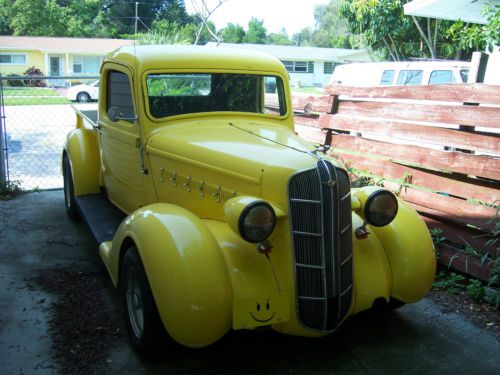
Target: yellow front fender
x=185, y=268
x=411, y=255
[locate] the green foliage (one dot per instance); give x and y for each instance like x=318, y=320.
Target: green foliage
x=475, y=289
x=437, y=237
x=10, y=190
x=34, y=72
x=384, y=27
x=256, y=33
x=15, y=82
x=280, y=39
x=233, y=33
x=478, y=37
x=86, y=18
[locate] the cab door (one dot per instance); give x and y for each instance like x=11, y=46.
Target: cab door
x=120, y=141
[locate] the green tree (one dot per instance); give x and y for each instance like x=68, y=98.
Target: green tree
x=331, y=30
x=233, y=33
x=256, y=32
x=38, y=17
x=478, y=37
x=280, y=38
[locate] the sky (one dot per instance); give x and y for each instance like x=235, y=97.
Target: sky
x=293, y=15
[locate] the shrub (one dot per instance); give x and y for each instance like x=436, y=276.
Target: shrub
x=34, y=72
x=15, y=82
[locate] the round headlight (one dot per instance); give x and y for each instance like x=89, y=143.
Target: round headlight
x=381, y=208
x=257, y=221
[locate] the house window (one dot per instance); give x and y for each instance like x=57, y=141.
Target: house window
x=86, y=64
x=328, y=67
x=299, y=66
x=13, y=59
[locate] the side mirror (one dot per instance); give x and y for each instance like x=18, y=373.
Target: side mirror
x=113, y=114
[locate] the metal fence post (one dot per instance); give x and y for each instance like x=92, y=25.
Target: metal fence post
x=3, y=141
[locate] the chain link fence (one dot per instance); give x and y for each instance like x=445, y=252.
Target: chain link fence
x=35, y=117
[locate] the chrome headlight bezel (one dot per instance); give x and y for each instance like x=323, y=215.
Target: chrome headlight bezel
x=256, y=208
x=376, y=203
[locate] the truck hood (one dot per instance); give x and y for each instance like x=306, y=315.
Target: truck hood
x=246, y=149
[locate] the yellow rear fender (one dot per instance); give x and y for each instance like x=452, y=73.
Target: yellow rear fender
x=185, y=269
x=410, y=252
x=82, y=149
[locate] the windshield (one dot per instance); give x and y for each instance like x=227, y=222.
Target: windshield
x=176, y=94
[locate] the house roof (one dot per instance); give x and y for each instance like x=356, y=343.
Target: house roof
x=465, y=10
x=296, y=53
x=62, y=45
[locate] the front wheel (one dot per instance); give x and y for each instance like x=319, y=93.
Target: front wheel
x=69, y=191
x=145, y=328
x=83, y=97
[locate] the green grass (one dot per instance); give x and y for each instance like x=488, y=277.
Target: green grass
x=29, y=91
x=307, y=90
x=36, y=101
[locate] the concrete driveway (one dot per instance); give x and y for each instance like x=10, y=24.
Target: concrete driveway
x=36, y=237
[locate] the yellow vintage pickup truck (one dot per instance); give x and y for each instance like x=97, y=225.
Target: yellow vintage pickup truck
x=211, y=214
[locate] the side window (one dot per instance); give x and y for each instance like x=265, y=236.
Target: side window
x=387, y=77
x=410, y=77
x=464, y=73
x=119, y=95
x=441, y=77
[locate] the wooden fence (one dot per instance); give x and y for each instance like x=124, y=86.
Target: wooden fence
x=436, y=146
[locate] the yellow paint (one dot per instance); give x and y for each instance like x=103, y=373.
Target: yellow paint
x=199, y=172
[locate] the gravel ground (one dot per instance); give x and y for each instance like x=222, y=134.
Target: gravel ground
x=61, y=315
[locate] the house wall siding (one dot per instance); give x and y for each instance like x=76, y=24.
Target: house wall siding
x=33, y=58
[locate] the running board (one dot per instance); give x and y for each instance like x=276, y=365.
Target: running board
x=100, y=215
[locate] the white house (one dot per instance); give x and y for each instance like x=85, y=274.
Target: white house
x=308, y=66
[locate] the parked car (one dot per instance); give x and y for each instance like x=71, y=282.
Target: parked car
x=400, y=73
x=211, y=214
x=84, y=93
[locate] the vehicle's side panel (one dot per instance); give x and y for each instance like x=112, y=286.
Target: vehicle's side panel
x=185, y=268
x=120, y=141
x=83, y=152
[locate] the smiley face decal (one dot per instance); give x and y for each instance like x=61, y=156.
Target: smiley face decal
x=262, y=312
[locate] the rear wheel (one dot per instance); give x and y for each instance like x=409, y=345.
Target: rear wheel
x=83, y=97
x=69, y=191
x=146, y=331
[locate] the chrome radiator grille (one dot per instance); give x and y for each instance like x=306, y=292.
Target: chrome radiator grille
x=320, y=216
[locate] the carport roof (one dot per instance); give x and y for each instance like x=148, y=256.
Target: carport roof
x=465, y=10
x=62, y=45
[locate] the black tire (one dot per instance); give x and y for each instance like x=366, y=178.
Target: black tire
x=382, y=306
x=69, y=191
x=82, y=97
x=146, y=331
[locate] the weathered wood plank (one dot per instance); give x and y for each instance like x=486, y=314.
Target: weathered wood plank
x=312, y=103
x=476, y=165
x=388, y=169
x=462, y=235
x=415, y=133
x=310, y=134
x=472, y=93
x=307, y=120
x=465, y=263
x=462, y=115
x=453, y=209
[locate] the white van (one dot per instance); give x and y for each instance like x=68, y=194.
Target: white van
x=400, y=73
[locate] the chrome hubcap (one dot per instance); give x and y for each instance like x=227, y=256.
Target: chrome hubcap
x=134, y=303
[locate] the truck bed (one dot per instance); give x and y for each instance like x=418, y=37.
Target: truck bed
x=100, y=215
x=88, y=115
